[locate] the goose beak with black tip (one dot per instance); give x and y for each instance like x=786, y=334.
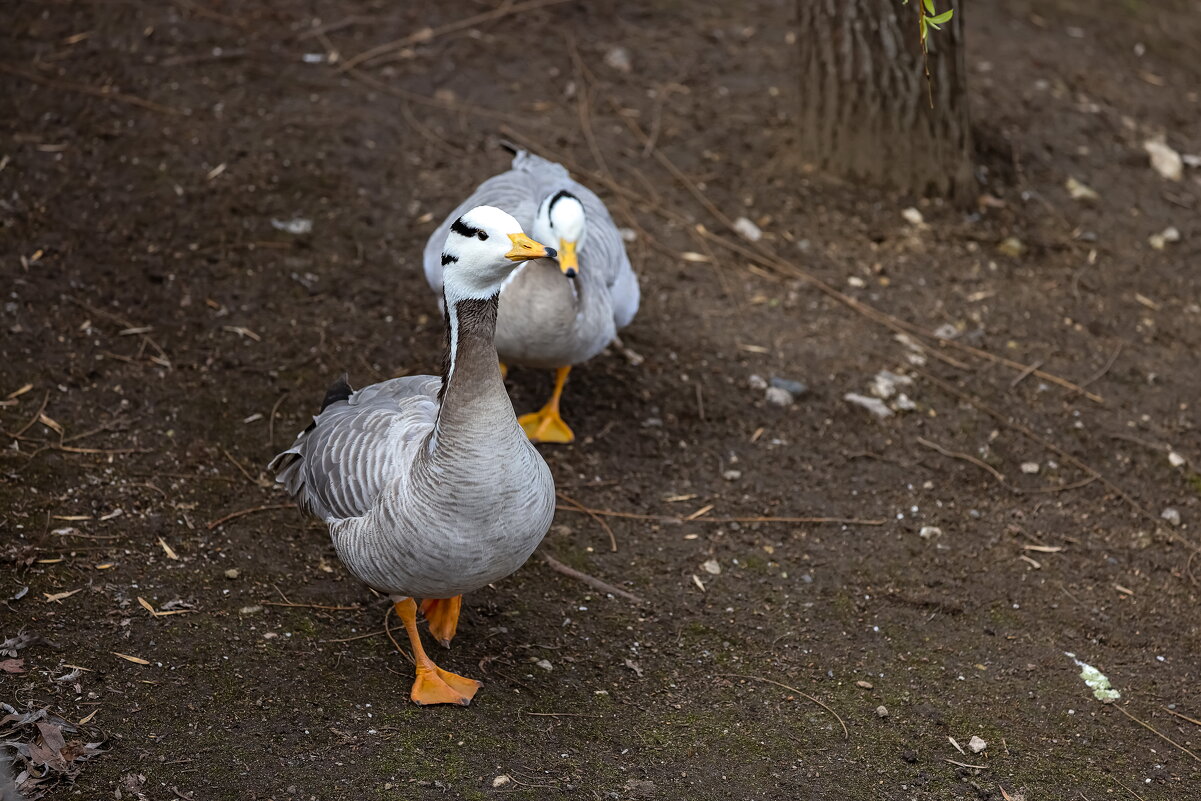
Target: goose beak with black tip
x=525, y=249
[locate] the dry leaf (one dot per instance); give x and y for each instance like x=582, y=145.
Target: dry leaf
x=171, y=554
x=136, y=660
x=146, y=605
x=1043, y=548
x=12, y=666
x=695, y=257
x=91, y=715
x=51, y=424
x=19, y=392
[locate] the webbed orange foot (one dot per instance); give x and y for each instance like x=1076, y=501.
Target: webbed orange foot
x=443, y=617
x=437, y=686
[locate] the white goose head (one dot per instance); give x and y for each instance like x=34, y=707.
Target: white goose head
x=482, y=248
x=561, y=220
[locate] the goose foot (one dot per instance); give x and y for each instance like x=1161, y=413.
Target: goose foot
x=437, y=686
x=433, y=685
x=443, y=617
x=545, y=425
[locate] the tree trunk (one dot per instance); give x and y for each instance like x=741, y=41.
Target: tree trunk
x=865, y=108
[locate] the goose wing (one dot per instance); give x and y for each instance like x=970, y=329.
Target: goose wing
x=359, y=443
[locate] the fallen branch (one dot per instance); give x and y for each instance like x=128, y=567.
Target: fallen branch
x=591, y=581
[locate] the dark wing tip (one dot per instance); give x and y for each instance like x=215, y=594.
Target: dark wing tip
x=509, y=146
x=340, y=391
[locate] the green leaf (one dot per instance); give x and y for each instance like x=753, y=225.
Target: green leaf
x=941, y=18
x=929, y=4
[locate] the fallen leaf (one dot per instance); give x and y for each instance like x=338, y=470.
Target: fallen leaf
x=19, y=392
x=171, y=554
x=51, y=424
x=135, y=659
x=13, y=666
x=91, y=715
x=1043, y=548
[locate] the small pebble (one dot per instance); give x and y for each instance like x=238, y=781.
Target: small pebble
x=747, y=230
x=1175, y=459
x=930, y=532
x=232, y=573
x=881, y=711
x=1079, y=191
x=976, y=745
x=1163, y=238
x=867, y=685
x=619, y=59
x=545, y=664
x=732, y=475
x=756, y=382
x=1171, y=515
x=913, y=216
x=1164, y=160
x=712, y=567
x=794, y=388
x=501, y=780
x=910, y=757
x=1011, y=246
x=779, y=397
x=1030, y=468
x=873, y=405
x=250, y=610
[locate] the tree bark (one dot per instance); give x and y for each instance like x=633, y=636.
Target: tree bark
x=865, y=107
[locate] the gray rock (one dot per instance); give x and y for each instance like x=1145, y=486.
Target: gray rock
x=793, y=388
x=779, y=397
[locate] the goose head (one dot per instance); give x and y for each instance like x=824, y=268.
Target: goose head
x=482, y=248
x=561, y=220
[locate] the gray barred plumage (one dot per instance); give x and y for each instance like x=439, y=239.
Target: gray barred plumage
x=430, y=497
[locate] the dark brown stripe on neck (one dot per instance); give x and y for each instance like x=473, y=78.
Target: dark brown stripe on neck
x=477, y=321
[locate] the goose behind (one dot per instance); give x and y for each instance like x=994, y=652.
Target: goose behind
x=429, y=485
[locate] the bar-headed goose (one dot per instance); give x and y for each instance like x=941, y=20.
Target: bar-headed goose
x=429, y=485
x=553, y=313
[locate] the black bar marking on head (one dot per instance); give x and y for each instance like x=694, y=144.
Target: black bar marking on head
x=463, y=229
x=448, y=259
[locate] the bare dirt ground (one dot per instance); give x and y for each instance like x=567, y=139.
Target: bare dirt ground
x=173, y=339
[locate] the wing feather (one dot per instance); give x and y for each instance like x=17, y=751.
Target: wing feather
x=357, y=446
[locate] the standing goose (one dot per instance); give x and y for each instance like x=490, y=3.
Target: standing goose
x=553, y=315
x=429, y=486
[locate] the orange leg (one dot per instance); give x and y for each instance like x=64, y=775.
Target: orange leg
x=443, y=617
x=433, y=685
x=546, y=425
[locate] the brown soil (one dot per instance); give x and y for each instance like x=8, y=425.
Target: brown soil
x=161, y=319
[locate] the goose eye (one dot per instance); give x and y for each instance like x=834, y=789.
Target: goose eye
x=483, y=236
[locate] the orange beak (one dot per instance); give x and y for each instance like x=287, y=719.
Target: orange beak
x=525, y=249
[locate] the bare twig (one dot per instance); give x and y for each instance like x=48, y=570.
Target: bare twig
x=967, y=457
x=846, y=735
x=271, y=419
x=591, y=581
x=356, y=637
x=1182, y=717
x=965, y=765
x=1101, y=373
x=426, y=35
x=95, y=91
x=1157, y=732
x=253, y=510
x=853, y=521
x=600, y=521
x=312, y=606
